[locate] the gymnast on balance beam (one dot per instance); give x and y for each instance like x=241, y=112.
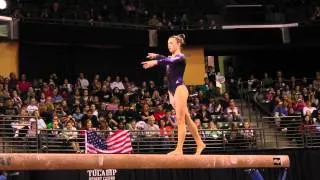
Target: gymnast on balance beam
x=178, y=92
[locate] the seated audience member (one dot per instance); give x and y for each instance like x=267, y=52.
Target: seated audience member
x=165, y=131
x=111, y=121
x=146, y=114
x=77, y=115
x=152, y=129
x=232, y=112
x=104, y=129
x=204, y=116
x=212, y=132
x=309, y=108
x=247, y=131
x=70, y=134
x=159, y=113
x=93, y=118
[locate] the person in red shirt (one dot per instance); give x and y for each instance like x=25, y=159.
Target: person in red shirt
x=160, y=113
x=47, y=90
x=23, y=86
x=166, y=131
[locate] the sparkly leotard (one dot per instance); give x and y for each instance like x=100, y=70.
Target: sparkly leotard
x=175, y=67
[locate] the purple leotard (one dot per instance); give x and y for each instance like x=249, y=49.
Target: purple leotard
x=175, y=69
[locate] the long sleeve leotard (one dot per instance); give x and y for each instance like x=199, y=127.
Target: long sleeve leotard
x=175, y=67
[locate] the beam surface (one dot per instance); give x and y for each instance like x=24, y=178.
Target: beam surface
x=28, y=161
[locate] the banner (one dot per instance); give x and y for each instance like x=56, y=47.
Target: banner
x=102, y=174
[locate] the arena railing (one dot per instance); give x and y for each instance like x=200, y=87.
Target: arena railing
x=283, y=131
x=312, y=136
x=219, y=140
x=272, y=133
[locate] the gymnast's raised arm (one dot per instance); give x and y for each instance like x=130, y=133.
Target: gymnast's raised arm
x=162, y=60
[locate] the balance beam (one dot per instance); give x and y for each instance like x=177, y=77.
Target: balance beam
x=28, y=161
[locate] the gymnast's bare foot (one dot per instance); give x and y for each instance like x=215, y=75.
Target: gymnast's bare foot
x=176, y=152
x=200, y=148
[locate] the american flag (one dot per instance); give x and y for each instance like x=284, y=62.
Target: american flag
x=117, y=143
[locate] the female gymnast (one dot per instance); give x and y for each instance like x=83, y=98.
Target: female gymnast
x=178, y=92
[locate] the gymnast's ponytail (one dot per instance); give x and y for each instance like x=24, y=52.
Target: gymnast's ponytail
x=180, y=38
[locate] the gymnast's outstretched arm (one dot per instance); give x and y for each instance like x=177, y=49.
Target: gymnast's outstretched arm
x=163, y=61
x=169, y=60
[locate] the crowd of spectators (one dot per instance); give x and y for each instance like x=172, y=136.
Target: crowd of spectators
x=293, y=102
x=112, y=103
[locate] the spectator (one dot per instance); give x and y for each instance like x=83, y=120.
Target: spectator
x=121, y=115
x=40, y=122
x=102, y=111
x=56, y=98
x=23, y=86
x=67, y=86
x=212, y=132
x=309, y=108
x=33, y=106
x=94, y=110
x=104, y=129
x=84, y=83
x=32, y=132
x=154, y=21
x=267, y=82
x=159, y=113
x=307, y=127
x=93, y=119
x=56, y=128
x=70, y=134
x=111, y=121
x=232, y=112
x=16, y=99
x=152, y=129
x=281, y=109
x=78, y=116
x=21, y=125
x=214, y=107
x=105, y=94
x=204, y=116
x=13, y=82
x=10, y=109
x=146, y=114
x=117, y=84
x=247, y=131
x=165, y=130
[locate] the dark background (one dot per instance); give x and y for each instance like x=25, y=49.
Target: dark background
x=68, y=50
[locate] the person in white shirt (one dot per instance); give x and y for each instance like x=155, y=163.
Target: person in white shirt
x=152, y=129
x=40, y=122
x=117, y=83
x=308, y=107
x=70, y=134
x=32, y=107
x=232, y=113
x=84, y=83
x=94, y=110
x=66, y=85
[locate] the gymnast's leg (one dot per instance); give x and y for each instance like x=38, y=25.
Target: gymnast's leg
x=179, y=103
x=195, y=133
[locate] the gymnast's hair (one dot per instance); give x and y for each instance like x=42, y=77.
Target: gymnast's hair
x=180, y=38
